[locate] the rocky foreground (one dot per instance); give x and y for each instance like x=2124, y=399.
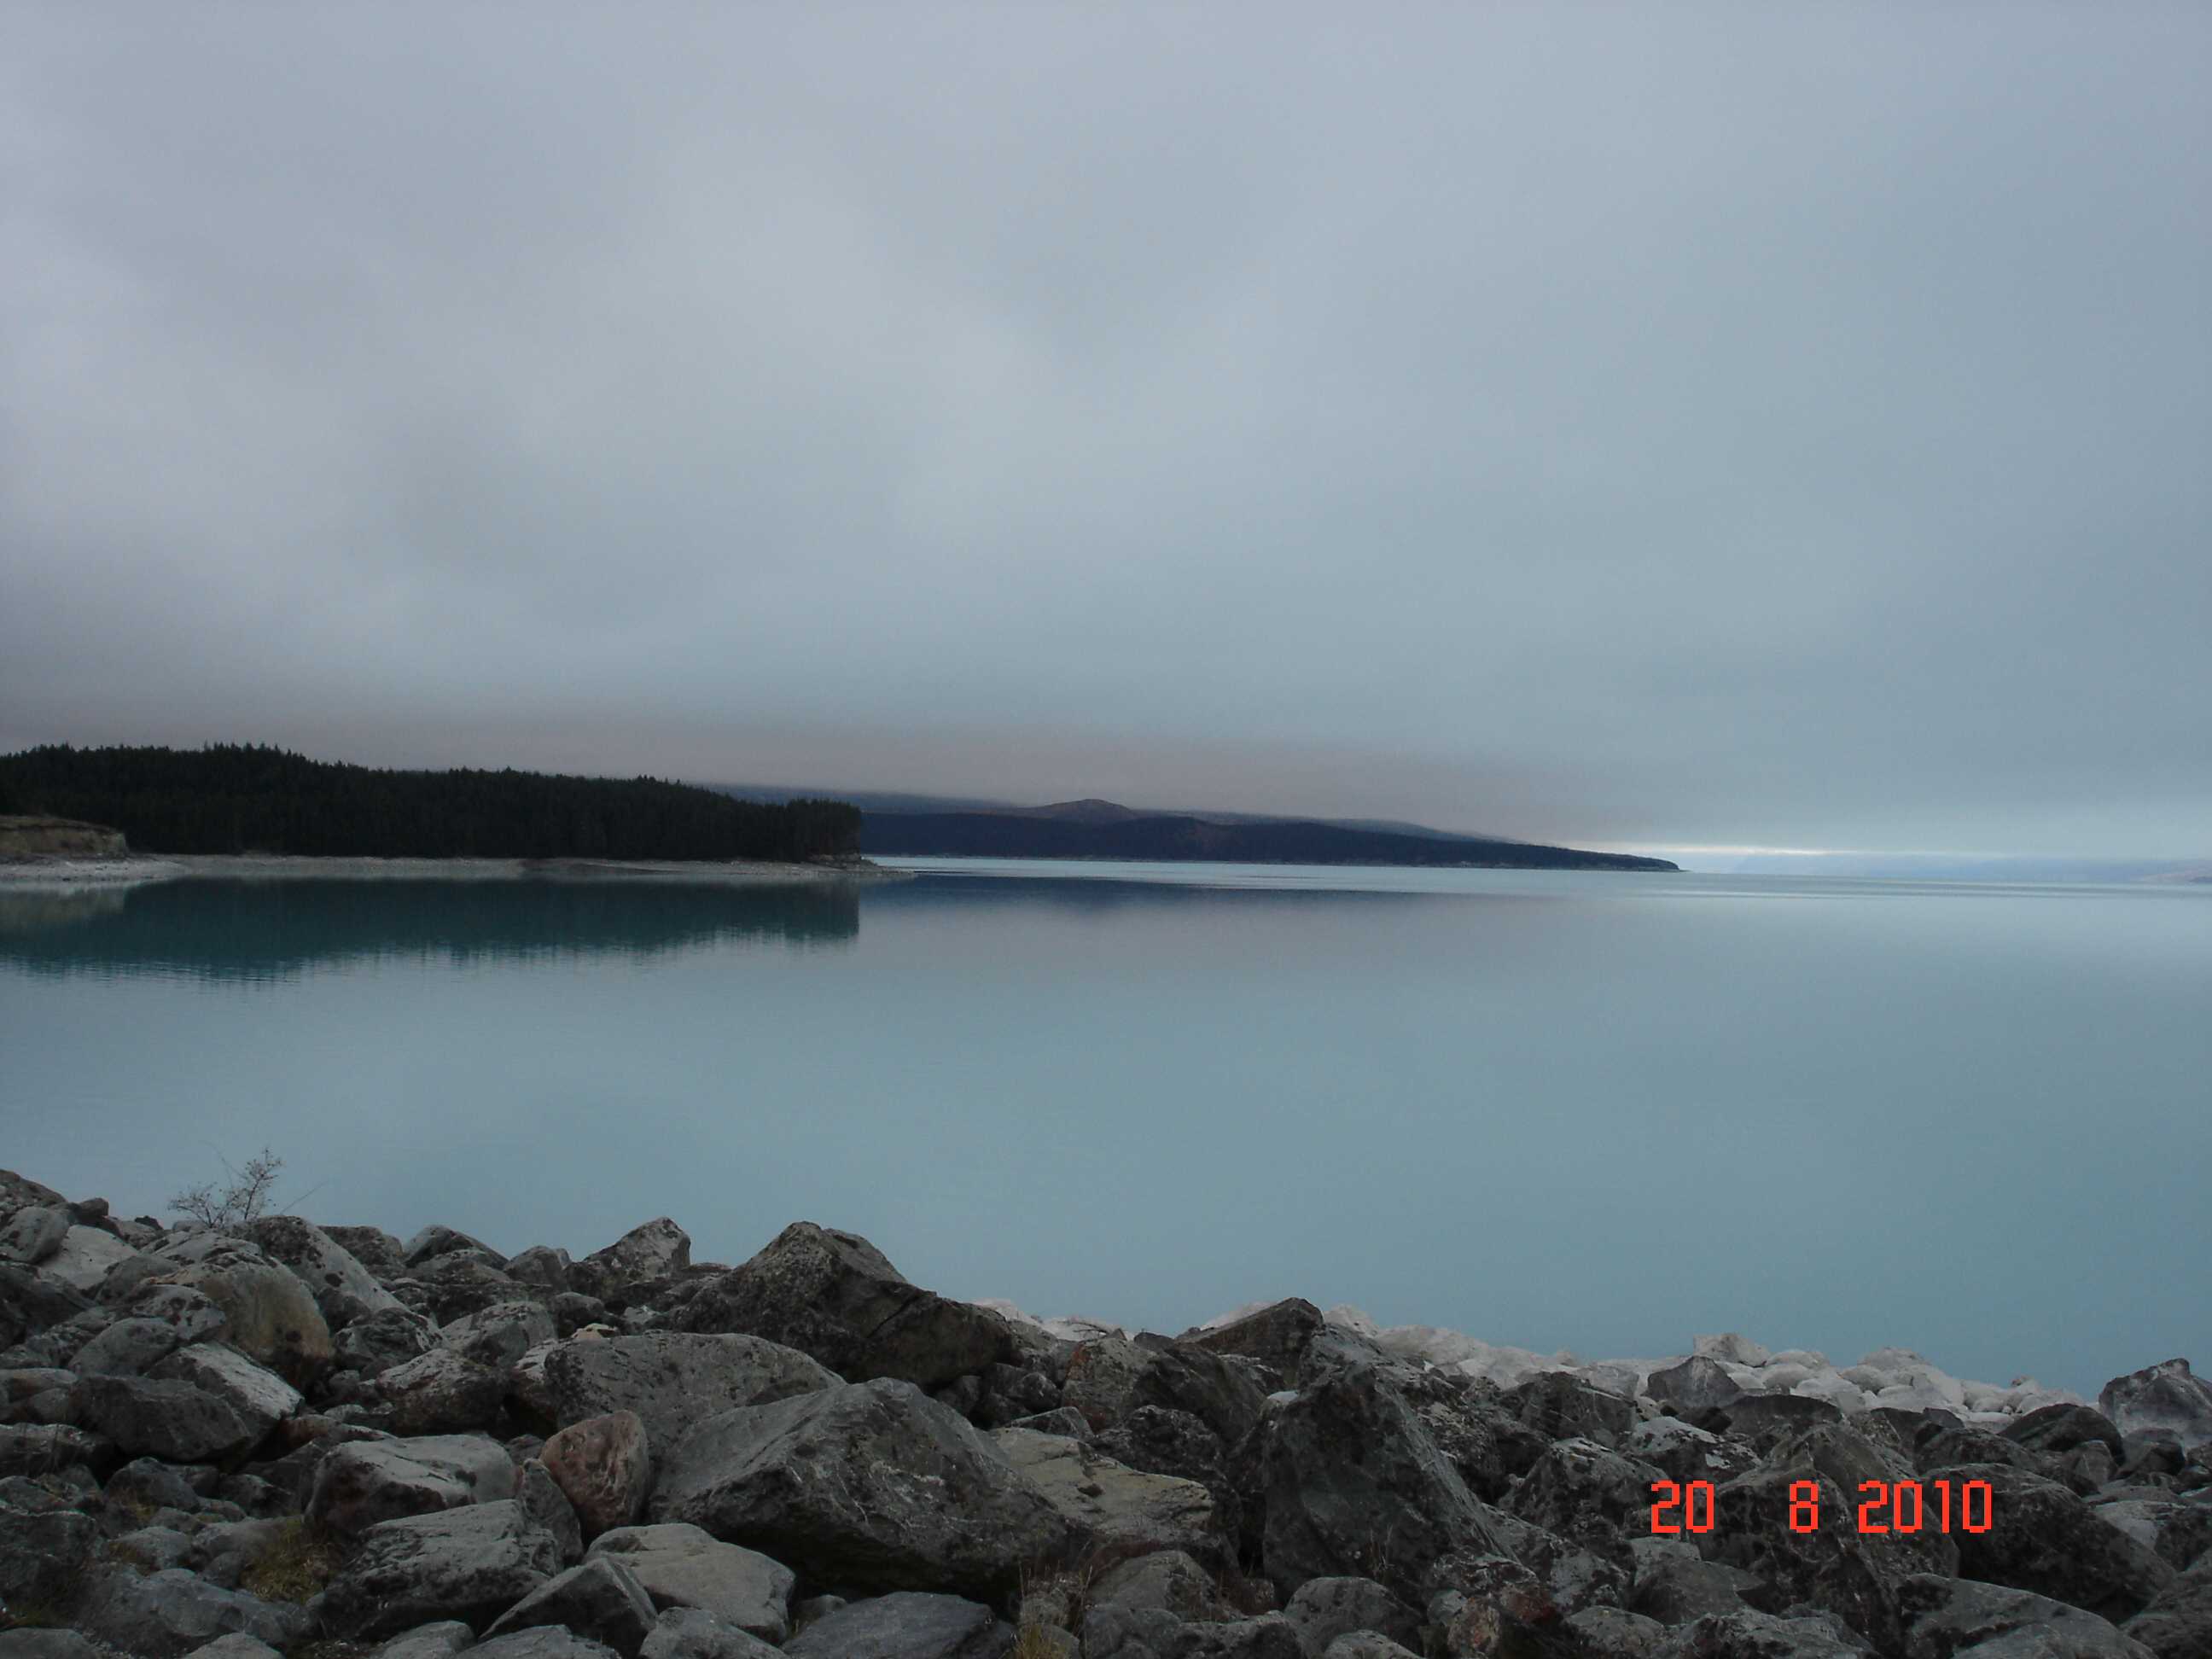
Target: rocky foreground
x=324, y=1441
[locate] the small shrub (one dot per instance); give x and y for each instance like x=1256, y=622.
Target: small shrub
x=237, y=1200
x=295, y=1567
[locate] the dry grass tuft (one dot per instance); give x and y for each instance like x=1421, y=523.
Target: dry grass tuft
x=293, y=1568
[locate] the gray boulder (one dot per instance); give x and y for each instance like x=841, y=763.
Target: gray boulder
x=434, y=1242
x=236, y=1645
x=499, y=1335
x=2177, y=1624
x=835, y=1295
x=1277, y=1336
x=343, y=1289
x=1832, y=1568
x=366, y=1482
x=269, y=1316
x=43, y=1555
x=169, y=1613
x=1352, y=1484
x=1946, y=1616
x=172, y=1421
x=375, y=1342
x=34, y=1233
x=542, y=1498
x=1588, y=1495
x=1366, y=1644
x=84, y=1258
x=31, y=1643
x=1674, y=1585
x=599, y=1599
x=540, y=1265
x=870, y=1486
x=2044, y=1539
x=1102, y=1374
x=1761, y=1636
x=1561, y=1406
x=260, y=1396
x=1118, y=1508
x=543, y=1642
x=674, y=1380
x=438, y=1641
x=690, y=1633
x=907, y=1625
x=129, y=1347
x=470, y=1563
x=1611, y=1633
x=1324, y=1609
x=681, y=1565
x=1698, y=1384
x=441, y=1393
x=654, y=1249
x=1169, y=1581
x=2167, y=1396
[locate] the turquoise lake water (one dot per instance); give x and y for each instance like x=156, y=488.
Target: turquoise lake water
x=1594, y=1111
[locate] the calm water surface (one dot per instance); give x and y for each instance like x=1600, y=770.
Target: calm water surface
x=1597, y=1111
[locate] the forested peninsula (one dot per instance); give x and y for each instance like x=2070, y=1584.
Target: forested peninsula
x=251, y=797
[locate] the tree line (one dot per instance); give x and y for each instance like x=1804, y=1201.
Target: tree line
x=253, y=798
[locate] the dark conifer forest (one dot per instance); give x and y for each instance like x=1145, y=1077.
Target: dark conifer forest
x=245, y=798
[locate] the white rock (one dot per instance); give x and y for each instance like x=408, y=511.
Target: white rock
x=1845, y=1396
x=1348, y=1317
x=85, y=1259
x=1812, y=1357
x=1731, y=1348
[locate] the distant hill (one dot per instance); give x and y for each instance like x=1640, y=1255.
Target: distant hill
x=1104, y=830
x=239, y=798
x=877, y=800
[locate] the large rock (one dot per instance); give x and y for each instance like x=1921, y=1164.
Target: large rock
x=129, y=1347
x=343, y=1289
x=907, y=1625
x=1588, y=1495
x=688, y=1633
x=30, y=1303
x=2045, y=1539
x=599, y=1599
x=172, y=1421
x=34, y=1233
x=373, y=1343
x=1947, y=1616
x=262, y=1397
x=683, y=1566
x=499, y=1335
x=43, y=1555
x=434, y=1241
x=270, y=1316
x=2177, y=1624
x=674, y=1380
x=1762, y=1635
x=604, y=1465
x=169, y=1613
x=1168, y=1580
x=1103, y=1375
x=1832, y=1567
x=1698, y=1384
x=1120, y=1509
x=470, y=1563
x=546, y=1503
x=835, y=1295
x=2168, y=1395
x=1326, y=1608
x=1276, y=1335
x=442, y=1393
x=84, y=1258
x=1352, y=1484
x=654, y=1249
x=870, y=1486
x=365, y=1482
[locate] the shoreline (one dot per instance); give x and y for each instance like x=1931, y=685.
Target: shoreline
x=42, y=872
x=296, y=1433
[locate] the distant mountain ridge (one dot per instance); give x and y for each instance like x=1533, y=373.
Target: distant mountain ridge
x=1094, y=829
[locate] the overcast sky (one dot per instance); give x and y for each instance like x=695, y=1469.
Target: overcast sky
x=1750, y=424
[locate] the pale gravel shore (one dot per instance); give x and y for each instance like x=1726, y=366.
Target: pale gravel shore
x=256, y=866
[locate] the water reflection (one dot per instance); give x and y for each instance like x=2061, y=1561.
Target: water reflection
x=264, y=930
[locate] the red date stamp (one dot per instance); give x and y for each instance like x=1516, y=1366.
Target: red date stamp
x=1888, y=1506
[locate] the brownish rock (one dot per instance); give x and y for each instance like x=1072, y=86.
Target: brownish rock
x=605, y=1467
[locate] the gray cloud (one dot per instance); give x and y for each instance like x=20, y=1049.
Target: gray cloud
x=1656, y=424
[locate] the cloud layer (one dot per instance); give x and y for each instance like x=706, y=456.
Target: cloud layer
x=1638, y=424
